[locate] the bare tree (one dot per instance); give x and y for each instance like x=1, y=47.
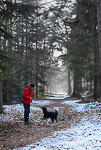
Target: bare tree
x=99, y=37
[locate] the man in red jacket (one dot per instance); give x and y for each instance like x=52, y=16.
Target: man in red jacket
x=27, y=99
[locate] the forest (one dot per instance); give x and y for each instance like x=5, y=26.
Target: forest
x=30, y=33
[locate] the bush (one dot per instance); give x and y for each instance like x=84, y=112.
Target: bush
x=1, y=110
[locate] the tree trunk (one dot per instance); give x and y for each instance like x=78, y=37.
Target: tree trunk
x=69, y=82
x=95, y=70
x=99, y=26
x=91, y=86
x=96, y=55
x=26, y=78
x=99, y=35
x=0, y=93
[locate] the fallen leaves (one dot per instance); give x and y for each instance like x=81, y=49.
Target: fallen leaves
x=14, y=133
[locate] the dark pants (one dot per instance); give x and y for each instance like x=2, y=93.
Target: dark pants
x=26, y=112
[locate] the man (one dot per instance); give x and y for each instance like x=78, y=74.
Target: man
x=27, y=99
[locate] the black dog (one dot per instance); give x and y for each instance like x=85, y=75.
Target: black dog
x=52, y=115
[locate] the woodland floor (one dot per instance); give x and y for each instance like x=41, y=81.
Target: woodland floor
x=16, y=134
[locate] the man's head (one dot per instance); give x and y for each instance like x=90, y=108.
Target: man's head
x=32, y=86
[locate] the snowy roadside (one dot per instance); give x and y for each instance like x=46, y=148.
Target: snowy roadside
x=86, y=135
x=83, y=135
x=12, y=111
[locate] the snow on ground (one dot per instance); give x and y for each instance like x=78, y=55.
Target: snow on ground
x=58, y=96
x=41, y=102
x=11, y=111
x=83, y=136
x=83, y=107
x=78, y=107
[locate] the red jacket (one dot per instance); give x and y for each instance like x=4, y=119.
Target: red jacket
x=27, y=95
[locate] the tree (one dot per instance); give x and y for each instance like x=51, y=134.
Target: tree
x=8, y=11
x=99, y=41
x=31, y=49
x=83, y=40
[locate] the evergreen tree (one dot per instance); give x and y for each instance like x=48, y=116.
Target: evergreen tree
x=9, y=12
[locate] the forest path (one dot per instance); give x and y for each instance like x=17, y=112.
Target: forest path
x=14, y=134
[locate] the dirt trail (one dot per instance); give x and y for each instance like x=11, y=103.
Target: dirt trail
x=19, y=135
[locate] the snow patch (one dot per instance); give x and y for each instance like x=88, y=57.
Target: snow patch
x=85, y=135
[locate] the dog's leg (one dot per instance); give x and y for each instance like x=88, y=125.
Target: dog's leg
x=56, y=120
x=42, y=122
x=52, y=122
x=47, y=122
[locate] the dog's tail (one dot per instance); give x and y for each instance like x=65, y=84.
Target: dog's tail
x=56, y=111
